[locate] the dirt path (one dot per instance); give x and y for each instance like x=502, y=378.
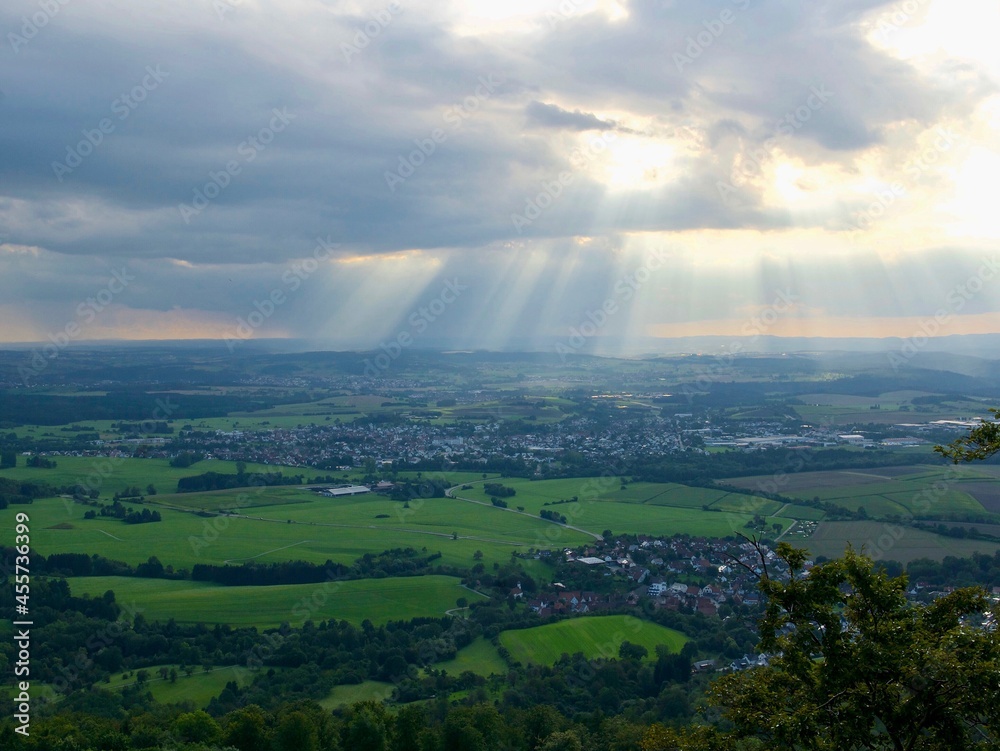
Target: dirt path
x=450, y=493
x=284, y=547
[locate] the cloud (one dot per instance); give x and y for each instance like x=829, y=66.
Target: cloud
x=419, y=134
x=552, y=116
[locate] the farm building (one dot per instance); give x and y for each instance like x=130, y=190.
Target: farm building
x=345, y=490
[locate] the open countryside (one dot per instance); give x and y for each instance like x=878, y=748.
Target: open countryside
x=596, y=637
x=377, y=600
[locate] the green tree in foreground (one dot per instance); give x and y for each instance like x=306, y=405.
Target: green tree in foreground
x=855, y=666
x=981, y=443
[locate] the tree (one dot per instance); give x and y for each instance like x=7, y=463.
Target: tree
x=197, y=727
x=296, y=732
x=981, y=443
x=629, y=651
x=410, y=722
x=367, y=727
x=855, y=666
x=248, y=729
x=562, y=741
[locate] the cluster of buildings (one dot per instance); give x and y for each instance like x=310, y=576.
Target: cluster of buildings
x=333, y=445
x=765, y=434
x=561, y=601
x=698, y=574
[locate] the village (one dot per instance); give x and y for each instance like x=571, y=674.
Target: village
x=342, y=446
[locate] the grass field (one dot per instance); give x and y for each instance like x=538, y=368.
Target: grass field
x=321, y=529
x=378, y=600
x=113, y=475
x=351, y=693
x=885, y=541
x=598, y=636
x=292, y=523
x=199, y=688
x=639, y=508
x=895, y=407
x=802, y=513
x=910, y=490
x=743, y=504
x=480, y=657
x=533, y=494
x=346, y=408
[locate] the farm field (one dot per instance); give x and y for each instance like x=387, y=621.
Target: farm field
x=113, y=475
x=320, y=530
x=920, y=489
x=640, y=508
x=845, y=410
x=801, y=513
x=877, y=539
x=480, y=657
x=746, y=504
x=436, y=519
x=443, y=516
x=533, y=494
x=985, y=492
x=890, y=399
x=598, y=636
x=541, y=409
x=454, y=478
x=344, y=407
x=378, y=600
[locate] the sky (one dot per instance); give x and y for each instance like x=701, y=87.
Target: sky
x=494, y=174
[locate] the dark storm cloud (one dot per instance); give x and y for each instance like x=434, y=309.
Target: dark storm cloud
x=551, y=116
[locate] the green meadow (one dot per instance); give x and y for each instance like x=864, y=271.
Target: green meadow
x=638, y=508
x=801, y=513
x=883, y=540
x=283, y=524
x=351, y=693
x=110, y=476
x=597, y=636
x=198, y=688
x=922, y=490
x=480, y=657
x=378, y=600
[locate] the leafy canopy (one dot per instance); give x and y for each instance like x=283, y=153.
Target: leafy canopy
x=981, y=443
x=856, y=666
